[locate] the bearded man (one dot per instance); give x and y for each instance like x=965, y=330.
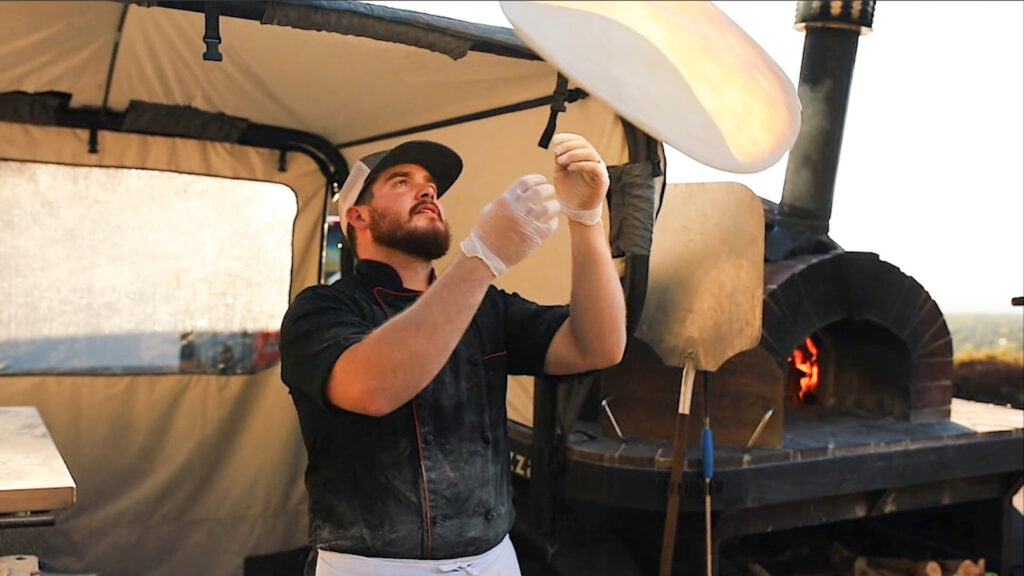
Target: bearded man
x=399, y=376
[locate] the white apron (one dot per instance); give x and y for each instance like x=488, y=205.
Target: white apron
x=498, y=561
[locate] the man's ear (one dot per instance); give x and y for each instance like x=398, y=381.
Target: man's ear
x=356, y=217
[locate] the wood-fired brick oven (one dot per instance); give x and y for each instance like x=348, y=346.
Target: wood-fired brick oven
x=872, y=444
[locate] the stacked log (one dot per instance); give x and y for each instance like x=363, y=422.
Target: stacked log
x=843, y=562
x=865, y=566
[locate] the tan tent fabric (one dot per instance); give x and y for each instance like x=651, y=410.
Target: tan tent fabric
x=177, y=474
x=189, y=474
x=369, y=87
x=61, y=46
x=340, y=87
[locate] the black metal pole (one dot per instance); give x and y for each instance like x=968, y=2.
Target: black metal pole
x=542, y=493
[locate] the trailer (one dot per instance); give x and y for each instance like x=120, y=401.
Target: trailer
x=167, y=170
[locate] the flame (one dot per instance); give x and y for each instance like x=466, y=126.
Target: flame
x=805, y=359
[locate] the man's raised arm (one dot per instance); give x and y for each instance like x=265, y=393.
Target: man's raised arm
x=594, y=336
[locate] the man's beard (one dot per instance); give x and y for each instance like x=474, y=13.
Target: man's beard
x=427, y=242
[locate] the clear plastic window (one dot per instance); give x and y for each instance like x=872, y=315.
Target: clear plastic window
x=110, y=270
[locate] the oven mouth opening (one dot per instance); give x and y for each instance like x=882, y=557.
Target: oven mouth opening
x=852, y=367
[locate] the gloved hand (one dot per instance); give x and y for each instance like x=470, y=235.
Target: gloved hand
x=581, y=178
x=512, y=226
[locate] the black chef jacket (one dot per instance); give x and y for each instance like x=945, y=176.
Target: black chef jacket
x=431, y=479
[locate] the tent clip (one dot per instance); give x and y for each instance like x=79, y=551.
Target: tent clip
x=557, y=106
x=212, y=34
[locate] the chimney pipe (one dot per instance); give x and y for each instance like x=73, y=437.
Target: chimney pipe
x=833, y=29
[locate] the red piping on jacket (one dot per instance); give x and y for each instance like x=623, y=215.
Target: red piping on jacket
x=416, y=422
x=423, y=476
x=376, y=294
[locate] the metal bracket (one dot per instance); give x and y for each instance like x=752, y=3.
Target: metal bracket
x=27, y=519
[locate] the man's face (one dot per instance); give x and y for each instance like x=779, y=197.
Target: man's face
x=405, y=214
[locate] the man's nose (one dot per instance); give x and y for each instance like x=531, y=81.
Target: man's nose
x=428, y=192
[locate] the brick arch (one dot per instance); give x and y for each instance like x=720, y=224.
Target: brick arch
x=807, y=293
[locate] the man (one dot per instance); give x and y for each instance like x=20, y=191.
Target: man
x=399, y=377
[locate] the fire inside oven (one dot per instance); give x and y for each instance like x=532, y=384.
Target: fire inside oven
x=804, y=373
x=850, y=367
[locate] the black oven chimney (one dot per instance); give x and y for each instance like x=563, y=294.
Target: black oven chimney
x=830, y=48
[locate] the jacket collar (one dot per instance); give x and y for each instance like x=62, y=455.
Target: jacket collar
x=380, y=275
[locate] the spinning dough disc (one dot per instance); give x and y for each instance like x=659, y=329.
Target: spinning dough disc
x=681, y=71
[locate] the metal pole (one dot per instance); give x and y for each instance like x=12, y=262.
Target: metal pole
x=542, y=505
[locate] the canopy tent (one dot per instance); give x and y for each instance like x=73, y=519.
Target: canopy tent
x=193, y=473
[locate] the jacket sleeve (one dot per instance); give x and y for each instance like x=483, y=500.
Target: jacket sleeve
x=318, y=327
x=529, y=329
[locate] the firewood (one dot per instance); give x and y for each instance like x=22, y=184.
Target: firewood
x=863, y=567
x=963, y=567
x=840, y=557
x=909, y=567
x=756, y=569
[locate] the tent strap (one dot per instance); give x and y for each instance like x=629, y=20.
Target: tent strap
x=557, y=106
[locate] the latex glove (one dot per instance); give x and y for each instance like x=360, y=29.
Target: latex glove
x=581, y=177
x=512, y=226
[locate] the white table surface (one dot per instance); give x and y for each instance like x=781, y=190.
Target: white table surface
x=33, y=475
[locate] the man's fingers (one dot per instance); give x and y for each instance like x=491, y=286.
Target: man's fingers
x=585, y=167
x=551, y=226
x=545, y=210
x=585, y=154
x=539, y=193
x=528, y=182
x=571, y=144
x=562, y=137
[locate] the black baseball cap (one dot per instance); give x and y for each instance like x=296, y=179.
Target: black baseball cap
x=443, y=164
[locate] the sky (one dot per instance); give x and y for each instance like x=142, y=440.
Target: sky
x=931, y=173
